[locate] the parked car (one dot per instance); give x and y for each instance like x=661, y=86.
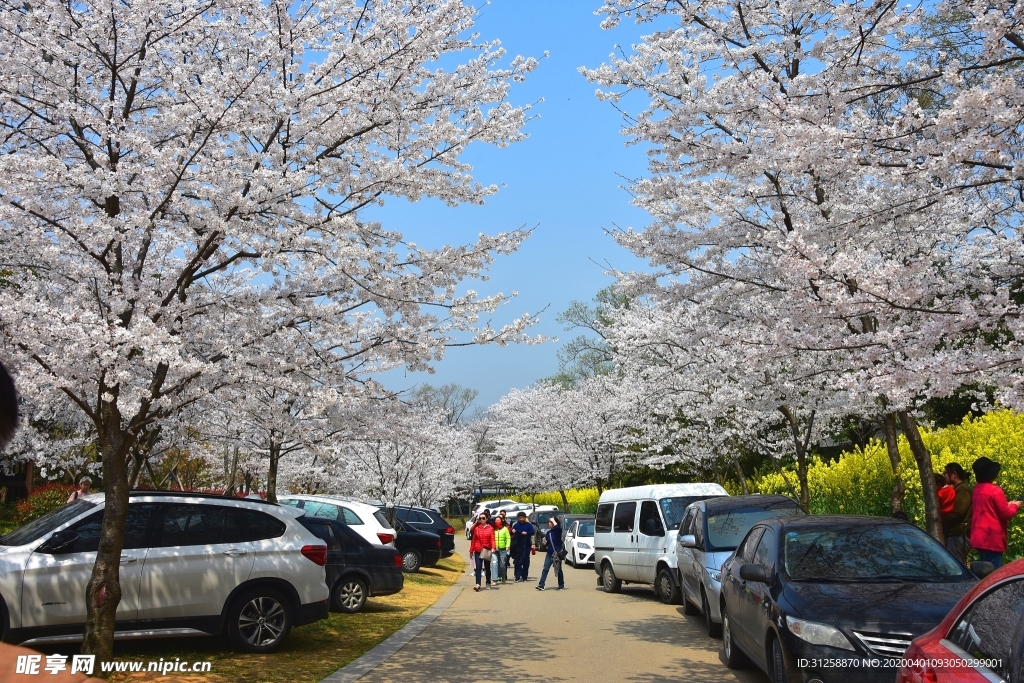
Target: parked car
x=708, y=535
x=417, y=548
x=539, y=519
x=567, y=520
x=491, y=504
x=821, y=597
x=635, y=533
x=192, y=564
x=356, y=568
x=365, y=519
x=425, y=519
x=579, y=542
x=981, y=639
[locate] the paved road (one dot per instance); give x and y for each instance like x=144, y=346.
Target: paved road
x=516, y=633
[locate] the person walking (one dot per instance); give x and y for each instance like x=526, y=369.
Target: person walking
x=502, y=542
x=482, y=544
x=83, y=489
x=957, y=518
x=555, y=554
x=522, y=535
x=990, y=512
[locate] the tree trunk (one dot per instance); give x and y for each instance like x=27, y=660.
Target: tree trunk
x=893, y=448
x=743, y=479
x=229, y=488
x=275, y=455
x=800, y=442
x=104, y=589
x=932, y=516
x=565, y=500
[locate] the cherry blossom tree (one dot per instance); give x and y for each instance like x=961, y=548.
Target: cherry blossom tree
x=181, y=201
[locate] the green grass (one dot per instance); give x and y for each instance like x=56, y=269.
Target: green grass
x=7, y=523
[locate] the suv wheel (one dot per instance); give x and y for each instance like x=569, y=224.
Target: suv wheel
x=611, y=584
x=259, y=620
x=350, y=594
x=411, y=561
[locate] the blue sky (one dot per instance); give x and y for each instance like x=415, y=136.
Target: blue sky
x=565, y=180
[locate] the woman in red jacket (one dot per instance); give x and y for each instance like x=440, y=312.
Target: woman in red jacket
x=989, y=513
x=482, y=539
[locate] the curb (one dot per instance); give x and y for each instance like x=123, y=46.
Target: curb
x=355, y=670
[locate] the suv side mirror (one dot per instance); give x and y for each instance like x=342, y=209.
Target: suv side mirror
x=688, y=541
x=60, y=542
x=754, y=572
x=982, y=569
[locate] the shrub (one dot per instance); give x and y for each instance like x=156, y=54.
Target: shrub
x=581, y=501
x=41, y=501
x=860, y=482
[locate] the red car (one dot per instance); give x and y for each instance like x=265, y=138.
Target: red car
x=980, y=641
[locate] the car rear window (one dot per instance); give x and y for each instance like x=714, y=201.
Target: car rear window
x=585, y=529
x=379, y=516
x=38, y=528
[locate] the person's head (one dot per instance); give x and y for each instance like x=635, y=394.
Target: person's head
x=521, y=516
x=84, y=483
x=940, y=480
x=499, y=522
x=985, y=470
x=955, y=473
x=503, y=515
x=553, y=522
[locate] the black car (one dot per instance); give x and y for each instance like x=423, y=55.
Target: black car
x=539, y=520
x=418, y=548
x=425, y=519
x=834, y=598
x=356, y=568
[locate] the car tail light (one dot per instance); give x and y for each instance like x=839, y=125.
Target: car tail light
x=386, y=538
x=316, y=553
x=916, y=670
x=438, y=543
x=450, y=530
x=398, y=560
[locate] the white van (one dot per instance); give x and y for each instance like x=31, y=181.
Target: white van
x=635, y=534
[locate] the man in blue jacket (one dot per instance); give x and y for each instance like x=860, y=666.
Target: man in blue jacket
x=522, y=542
x=553, y=538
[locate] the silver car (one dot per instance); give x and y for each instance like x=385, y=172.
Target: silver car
x=709, y=533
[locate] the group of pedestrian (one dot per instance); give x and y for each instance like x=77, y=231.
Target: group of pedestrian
x=975, y=518
x=494, y=545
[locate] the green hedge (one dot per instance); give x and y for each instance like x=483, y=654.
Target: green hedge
x=860, y=482
x=41, y=501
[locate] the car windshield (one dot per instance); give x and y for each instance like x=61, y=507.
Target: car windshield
x=726, y=529
x=38, y=528
x=863, y=552
x=586, y=529
x=673, y=509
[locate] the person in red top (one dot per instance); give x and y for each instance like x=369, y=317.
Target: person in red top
x=946, y=493
x=482, y=539
x=989, y=513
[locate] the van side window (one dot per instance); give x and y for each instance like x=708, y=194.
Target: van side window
x=603, y=522
x=650, y=520
x=624, y=515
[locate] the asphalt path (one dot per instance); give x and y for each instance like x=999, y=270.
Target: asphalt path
x=517, y=633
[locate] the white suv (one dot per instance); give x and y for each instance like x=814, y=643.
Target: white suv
x=364, y=519
x=192, y=564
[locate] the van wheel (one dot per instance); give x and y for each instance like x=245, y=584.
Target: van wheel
x=714, y=630
x=350, y=594
x=611, y=584
x=734, y=659
x=259, y=620
x=667, y=589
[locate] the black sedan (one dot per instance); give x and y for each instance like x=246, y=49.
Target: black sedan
x=425, y=519
x=356, y=568
x=834, y=598
x=418, y=548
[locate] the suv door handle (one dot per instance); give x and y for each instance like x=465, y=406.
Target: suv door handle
x=129, y=560
x=235, y=552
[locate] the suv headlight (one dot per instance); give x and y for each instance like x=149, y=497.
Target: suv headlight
x=818, y=634
x=715, y=574
x=583, y=546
